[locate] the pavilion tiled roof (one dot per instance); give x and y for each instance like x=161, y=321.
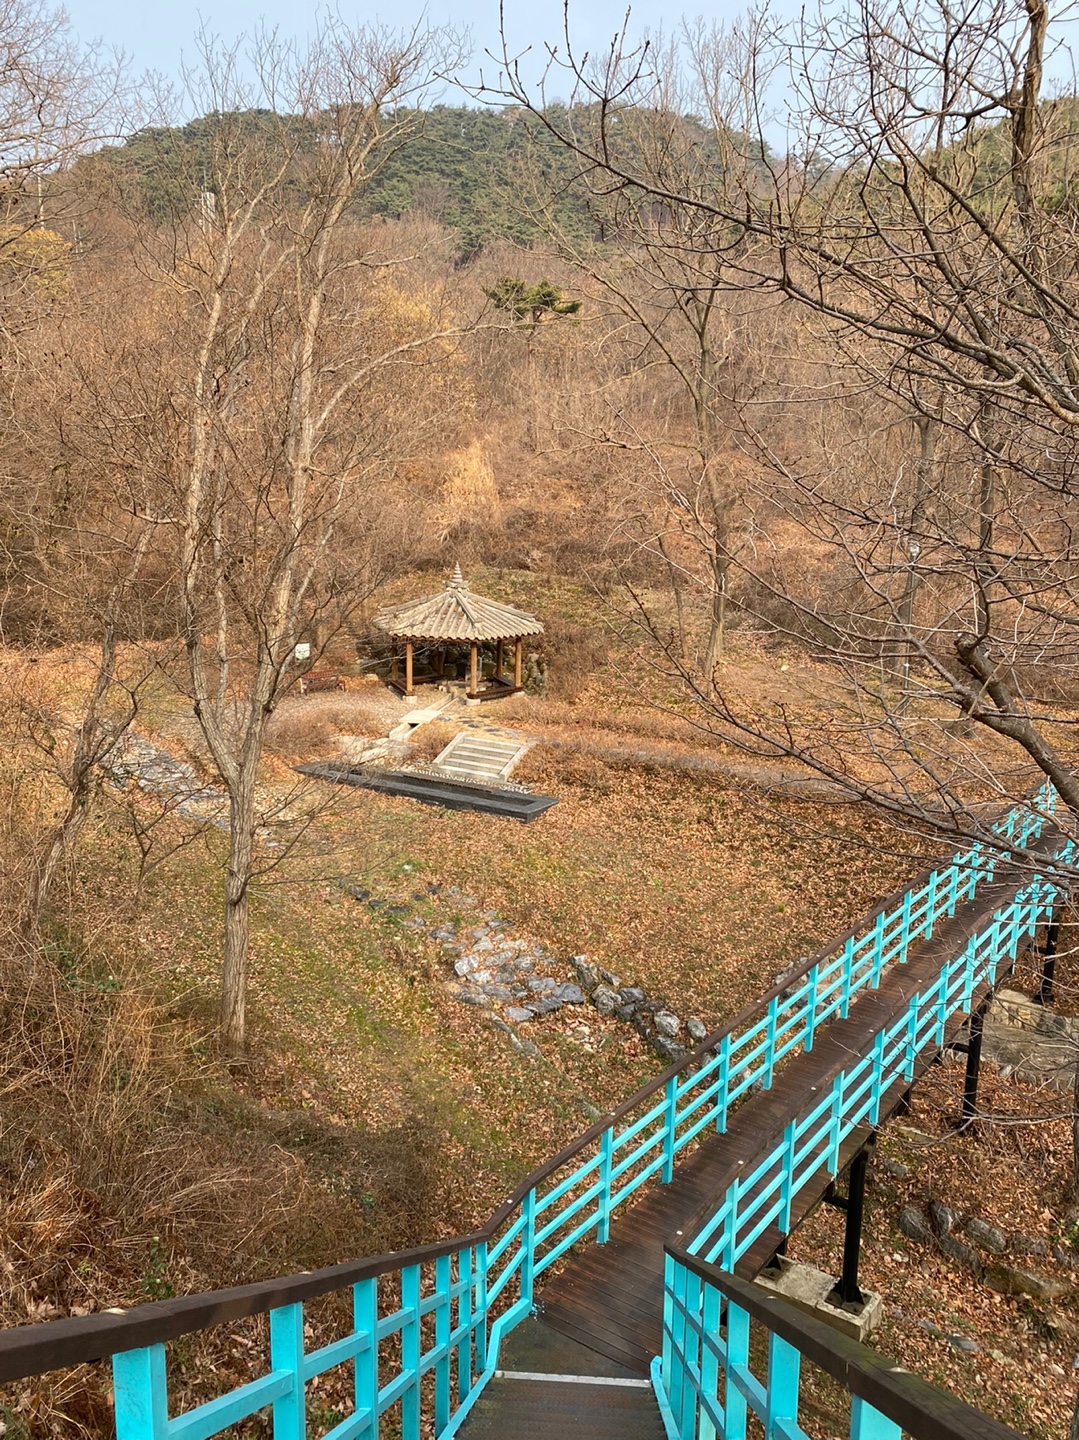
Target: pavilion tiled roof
x=455, y=613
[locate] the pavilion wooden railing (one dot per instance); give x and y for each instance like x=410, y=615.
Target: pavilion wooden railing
x=426, y=1325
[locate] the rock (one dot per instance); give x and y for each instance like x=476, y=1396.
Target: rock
x=569, y=994
x=696, y=1029
x=931, y=1329
x=481, y=977
x=998, y=1355
x=608, y=979
x=1021, y=1244
x=518, y=1014
x=468, y=996
x=419, y=895
x=375, y=904
x=625, y=1012
x=1009, y=1280
x=893, y=1167
x=358, y=892
x=546, y=1006
x=964, y=1342
x=667, y=1048
x=586, y=972
x=525, y=964
x=417, y=922
x=604, y=999
x=524, y=1047
x=483, y=944
x=962, y=1254
x=501, y=993
x=631, y=995
x=433, y=889
x=987, y=1236
x=667, y=1023
x=465, y=965
x=913, y=1224
x=397, y=910
x=542, y=984
x=1068, y=1258
x=941, y=1216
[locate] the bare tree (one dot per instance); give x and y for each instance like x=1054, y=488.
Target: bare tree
x=285, y=321
x=919, y=219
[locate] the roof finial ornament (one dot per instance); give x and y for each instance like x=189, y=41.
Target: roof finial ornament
x=457, y=580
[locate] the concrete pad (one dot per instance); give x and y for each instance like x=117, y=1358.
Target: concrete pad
x=808, y=1289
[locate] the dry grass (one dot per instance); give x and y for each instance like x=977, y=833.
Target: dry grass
x=309, y=725
x=430, y=740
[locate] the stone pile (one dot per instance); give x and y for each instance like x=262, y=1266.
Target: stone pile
x=134, y=760
x=979, y=1247
x=653, y=1021
x=518, y=980
x=520, y=976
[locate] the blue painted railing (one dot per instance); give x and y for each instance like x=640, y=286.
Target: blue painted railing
x=813, y=1141
x=425, y=1328
x=709, y=1388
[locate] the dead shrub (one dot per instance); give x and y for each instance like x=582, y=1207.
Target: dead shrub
x=573, y=654
x=310, y=724
x=133, y=1169
x=431, y=739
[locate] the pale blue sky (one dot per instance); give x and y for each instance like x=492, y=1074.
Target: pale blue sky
x=155, y=33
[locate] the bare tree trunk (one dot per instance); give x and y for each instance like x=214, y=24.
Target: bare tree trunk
x=93, y=741
x=1073, y=1428
x=910, y=585
x=679, y=598
x=237, y=911
x=717, y=622
x=983, y=565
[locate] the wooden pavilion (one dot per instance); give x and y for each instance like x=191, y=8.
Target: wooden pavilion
x=451, y=620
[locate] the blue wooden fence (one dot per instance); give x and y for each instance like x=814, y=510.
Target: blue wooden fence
x=426, y=1329
x=708, y=1387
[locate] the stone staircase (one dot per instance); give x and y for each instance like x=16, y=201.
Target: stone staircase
x=481, y=758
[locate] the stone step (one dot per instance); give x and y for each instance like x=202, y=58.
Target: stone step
x=478, y=757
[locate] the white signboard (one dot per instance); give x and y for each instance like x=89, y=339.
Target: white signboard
x=302, y=652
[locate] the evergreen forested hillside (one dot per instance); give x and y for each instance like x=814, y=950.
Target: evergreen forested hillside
x=485, y=174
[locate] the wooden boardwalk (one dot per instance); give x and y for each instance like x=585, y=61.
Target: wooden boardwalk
x=606, y=1302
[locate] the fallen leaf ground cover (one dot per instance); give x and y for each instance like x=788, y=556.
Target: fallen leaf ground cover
x=1011, y=1171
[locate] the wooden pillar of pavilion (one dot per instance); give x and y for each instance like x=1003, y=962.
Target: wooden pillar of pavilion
x=517, y=646
x=408, y=667
x=393, y=662
x=474, y=683
x=498, y=659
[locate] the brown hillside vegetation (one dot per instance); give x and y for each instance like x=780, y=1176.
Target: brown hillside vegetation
x=779, y=442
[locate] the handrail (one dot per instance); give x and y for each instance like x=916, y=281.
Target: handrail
x=31, y=1349
x=918, y=1408
x=458, y=1298
x=851, y=1095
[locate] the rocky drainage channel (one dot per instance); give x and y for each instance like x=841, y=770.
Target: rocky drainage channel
x=519, y=981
